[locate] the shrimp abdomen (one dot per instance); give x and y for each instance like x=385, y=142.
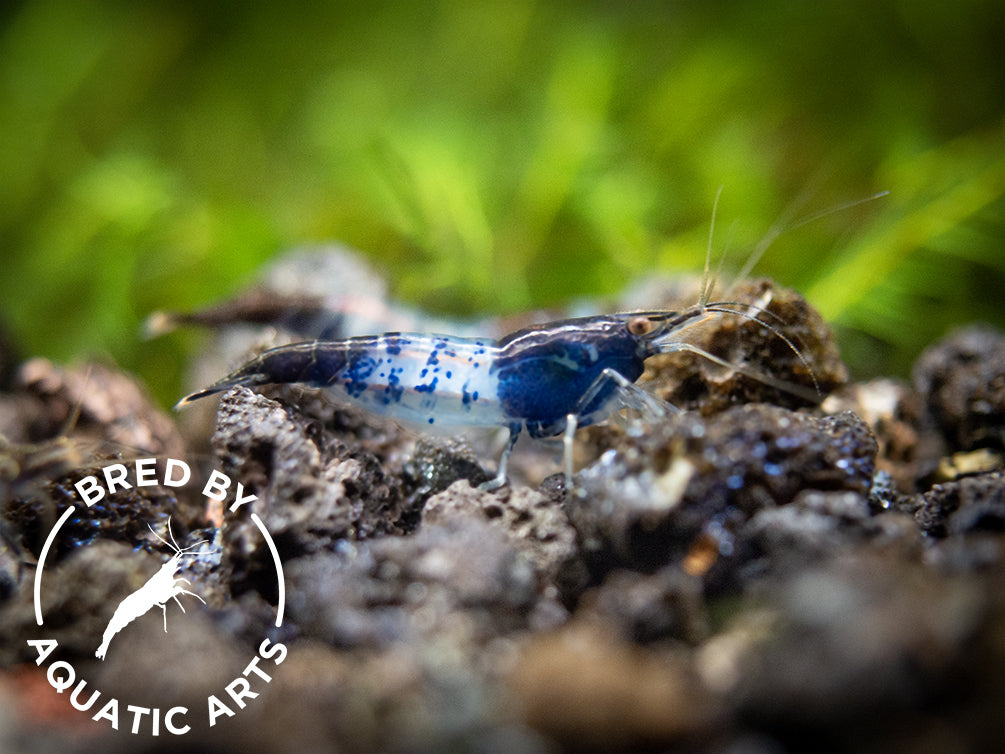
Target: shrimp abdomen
x=424, y=379
x=315, y=363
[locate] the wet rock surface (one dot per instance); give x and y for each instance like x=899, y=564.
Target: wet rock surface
x=755, y=573
x=647, y=502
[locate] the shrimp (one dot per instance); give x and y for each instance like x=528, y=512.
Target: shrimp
x=158, y=589
x=547, y=380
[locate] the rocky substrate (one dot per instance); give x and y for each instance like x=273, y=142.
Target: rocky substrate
x=754, y=574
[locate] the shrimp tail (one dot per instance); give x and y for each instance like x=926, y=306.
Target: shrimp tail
x=317, y=363
x=124, y=614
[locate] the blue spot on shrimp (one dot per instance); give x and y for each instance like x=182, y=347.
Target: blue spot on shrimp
x=547, y=380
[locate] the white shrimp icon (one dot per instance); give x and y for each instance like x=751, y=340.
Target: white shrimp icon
x=160, y=588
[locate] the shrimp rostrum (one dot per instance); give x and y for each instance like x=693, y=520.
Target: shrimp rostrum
x=547, y=380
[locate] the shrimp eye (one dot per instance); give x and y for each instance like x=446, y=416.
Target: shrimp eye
x=640, y=325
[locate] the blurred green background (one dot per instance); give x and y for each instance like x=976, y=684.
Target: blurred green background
x=497, y=156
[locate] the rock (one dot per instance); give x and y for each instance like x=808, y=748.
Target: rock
x=855, y=644
x=312, y=491
x=533, y=523
x=645, y=608
x=91, y=402
x=645, y=503
x=62, y=424
x=962, y=506
x=788, y=344
x=909, y=447
x=587, y=689
x=962, y=380
x=460, y=581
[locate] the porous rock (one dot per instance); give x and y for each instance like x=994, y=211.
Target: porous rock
x=645, y=502
x=461, y=579
x=962, y=380
x=789, y=343
x=533, y=523
x=310, y=492
x=969, y=504
x=910, y=449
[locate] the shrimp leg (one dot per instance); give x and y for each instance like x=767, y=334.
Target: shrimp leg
x=626, y=395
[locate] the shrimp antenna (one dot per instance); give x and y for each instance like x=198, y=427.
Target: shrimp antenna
x=707, y=282
x=782, y=227
x=171, y=534
x=724, y=308
x=172, y=544
x=178, y=550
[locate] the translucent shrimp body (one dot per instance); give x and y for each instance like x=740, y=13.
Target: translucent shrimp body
x=428, y=380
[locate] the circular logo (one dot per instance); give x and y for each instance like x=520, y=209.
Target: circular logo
x=166, y=588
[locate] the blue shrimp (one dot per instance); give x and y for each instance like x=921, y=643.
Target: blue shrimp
x=547, y=380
